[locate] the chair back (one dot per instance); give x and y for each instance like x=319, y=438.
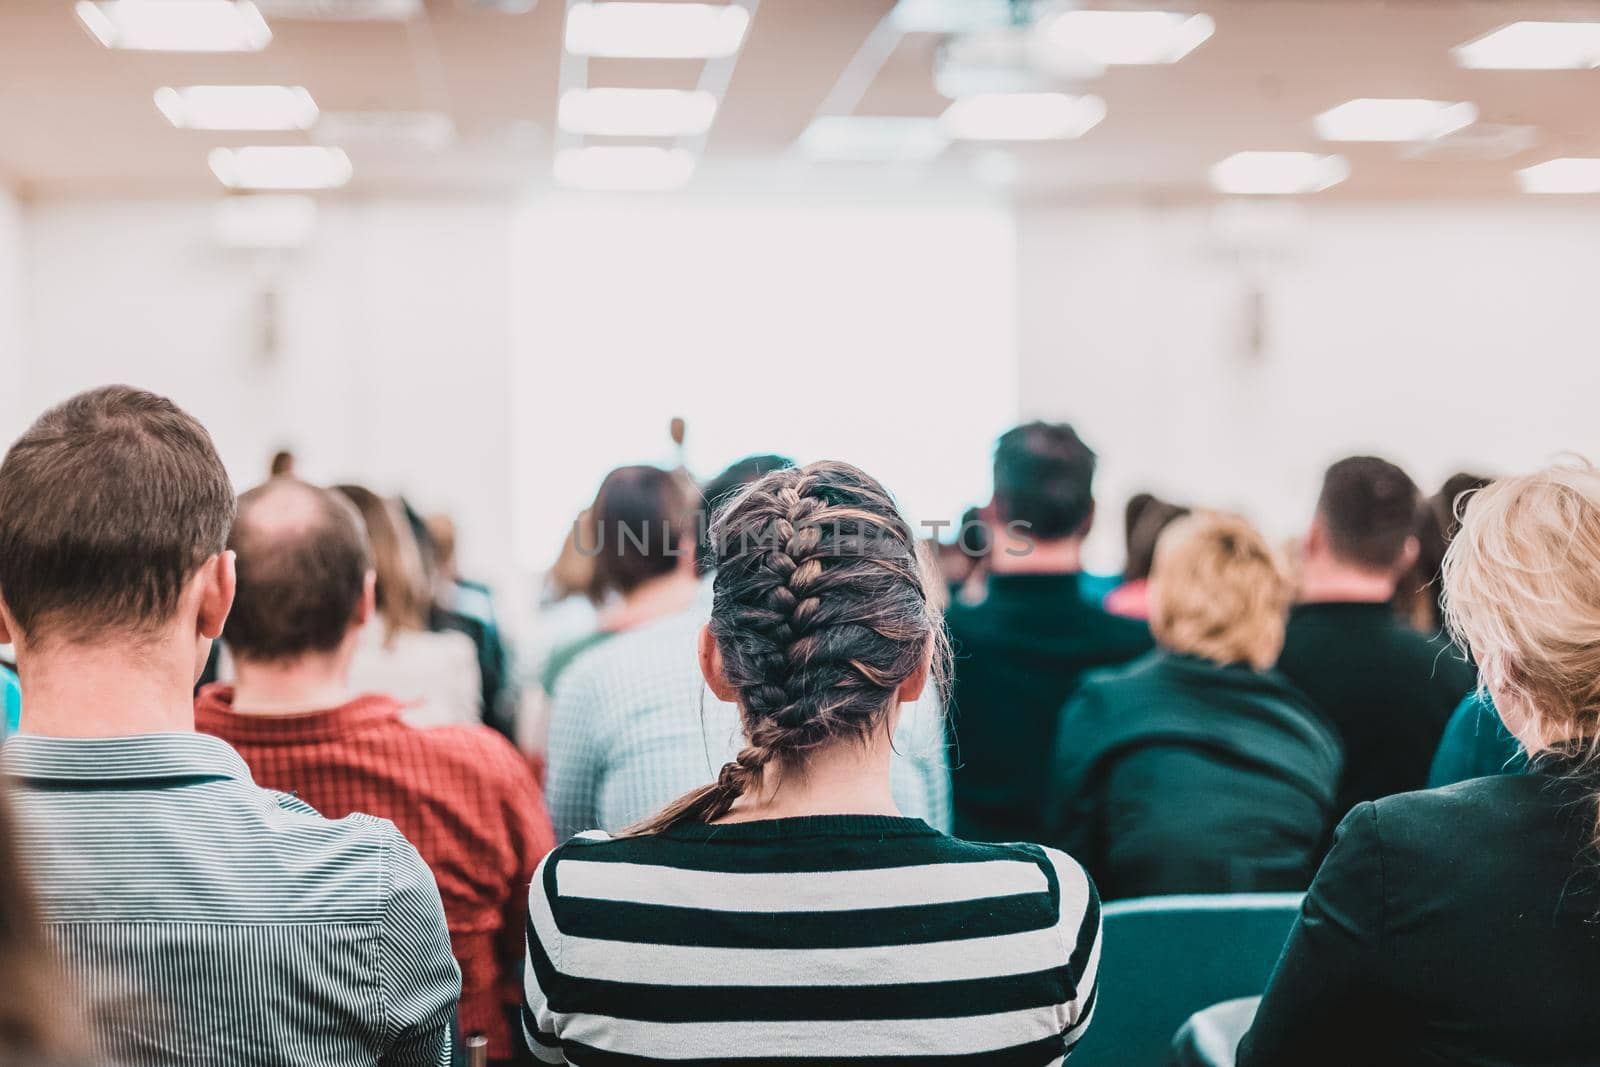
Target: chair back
x=1164, y=958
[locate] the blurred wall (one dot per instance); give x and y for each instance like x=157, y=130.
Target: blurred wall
x=11, y=305
x=378, y=352
x=1441, y=336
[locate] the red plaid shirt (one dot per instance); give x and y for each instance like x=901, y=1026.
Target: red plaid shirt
x=461, y=794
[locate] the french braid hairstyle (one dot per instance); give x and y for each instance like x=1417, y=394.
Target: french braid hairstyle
x=821, y=610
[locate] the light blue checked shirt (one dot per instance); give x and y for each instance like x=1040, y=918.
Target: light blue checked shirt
x=633, y=727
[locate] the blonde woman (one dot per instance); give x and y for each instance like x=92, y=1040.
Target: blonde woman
x=1197, y=769
x=434, y=674
x=1462, y=925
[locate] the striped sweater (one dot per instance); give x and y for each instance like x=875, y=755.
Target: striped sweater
x=826, y=939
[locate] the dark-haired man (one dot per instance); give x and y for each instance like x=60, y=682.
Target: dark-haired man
x=1386, y=688
x=1022, y=650
x=462, y=794
x=233, y=925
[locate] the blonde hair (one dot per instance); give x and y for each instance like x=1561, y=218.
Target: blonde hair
x=1219, y=591
x=1522, y=591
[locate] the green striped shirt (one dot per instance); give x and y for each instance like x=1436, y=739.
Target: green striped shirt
x=840, y=939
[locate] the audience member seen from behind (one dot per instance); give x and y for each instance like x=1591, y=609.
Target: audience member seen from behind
x=38, y=1021
x=1131, y=599
x=1197, y=768
x=1457, y=925
x=634, y=724
x=245, y=926
x=1022, y=650
x=643, y=522
x=832, y=926
x=461, y=794
x=435, y=676
x=1387, y=689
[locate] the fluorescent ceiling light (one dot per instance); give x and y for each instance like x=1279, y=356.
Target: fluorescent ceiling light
x=637, y=112
x=176, y=25
x=656, y=30
x=1022, y=116
x=1372, y=119
x=624, y=167
x=1534, y=46
x=1274, y=173
x=342, y=10
x=873, y=139
x=281, y=167
x=270, y=221
x=1126, y=37
x=1568, y=175
x=951, y=16
x=238, y=107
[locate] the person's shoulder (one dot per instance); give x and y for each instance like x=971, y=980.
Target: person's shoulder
x=1433, y=821
x=1062, y=877
x=637, y=657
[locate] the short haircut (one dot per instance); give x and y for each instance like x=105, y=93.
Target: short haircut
x=1044, y=476
x=282, y=463
x=109, y=504
x=641, y=518
x=1153, y=519
x=1369, y=510
x=303, y=559
x=1218, y=591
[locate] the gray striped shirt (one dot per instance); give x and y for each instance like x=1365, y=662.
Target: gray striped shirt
x=209, y=921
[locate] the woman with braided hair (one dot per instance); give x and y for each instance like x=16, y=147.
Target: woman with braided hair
x=787, y=911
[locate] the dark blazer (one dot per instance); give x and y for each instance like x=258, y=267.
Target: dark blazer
x=1177, y=775
x=1020, y=653
x=1457, y=926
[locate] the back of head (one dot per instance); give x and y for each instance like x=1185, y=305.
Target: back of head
x=1522, y=590
x=643, y=519
x=403, y=593
x=282, y=465
x=1368, y=509
x=109, y=504
x=1218, y=591
x=724, y=486
x=1044, y=477
x=1154, y=518
x=821, y=611
x=1447, y=502
x=302, y=565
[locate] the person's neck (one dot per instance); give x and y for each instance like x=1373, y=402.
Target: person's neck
x=1325, y=580
x=843, y=778
x=1022, y=555
x=653, y=599
x=108, y=690
x=311, y=683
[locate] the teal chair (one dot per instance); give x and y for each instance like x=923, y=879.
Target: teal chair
x=10, y=699
x=1164, y=958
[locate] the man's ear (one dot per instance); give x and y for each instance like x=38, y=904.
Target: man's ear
x=367, y=606
x=7, y=628
x=1088, y=522
x=1408, y=556
x=1316, y=538
x=218, y=582
x=711, y=668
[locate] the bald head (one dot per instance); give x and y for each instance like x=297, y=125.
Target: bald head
x=302, y=563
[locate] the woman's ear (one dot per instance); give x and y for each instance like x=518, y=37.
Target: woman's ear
x=711, y=668
x=911, y=689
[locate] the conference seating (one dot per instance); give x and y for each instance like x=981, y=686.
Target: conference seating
x=1165, y=958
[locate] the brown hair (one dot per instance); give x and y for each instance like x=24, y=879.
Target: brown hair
x=1368, y=507
x=1044, y=476
x=820, y=612
x=109, y=504
x=1155, y=515
x=302, y=563
x=1218, y=591
x=641, y=521
x=35, y=1022
x=403, y=593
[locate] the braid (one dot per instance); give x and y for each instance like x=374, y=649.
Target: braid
x=820, y=612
